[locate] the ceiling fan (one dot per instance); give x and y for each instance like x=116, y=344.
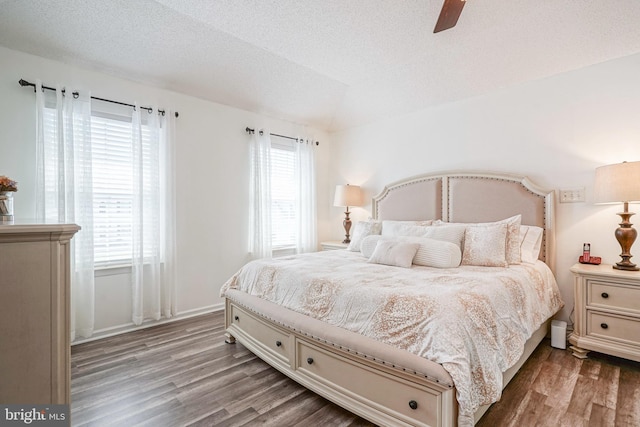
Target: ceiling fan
x=451, y=10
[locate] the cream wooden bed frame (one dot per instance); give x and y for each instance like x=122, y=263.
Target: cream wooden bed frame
x=375, y=388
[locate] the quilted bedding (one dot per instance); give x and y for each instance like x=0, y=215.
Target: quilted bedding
x=474, y=321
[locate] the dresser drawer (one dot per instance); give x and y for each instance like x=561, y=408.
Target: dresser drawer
x=613, y=296
x=276, y=341
x=616, y=328
x=382, y=389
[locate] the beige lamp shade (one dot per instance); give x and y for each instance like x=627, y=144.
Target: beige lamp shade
x=617, y=183
x=348, y=195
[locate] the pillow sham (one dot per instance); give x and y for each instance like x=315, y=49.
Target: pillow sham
x=431, y=253
x=512, y=240
x=361, y=230
x=453, y=233
x=484, y=245
x=530, y=243
x=404, y=228
x=395, y=253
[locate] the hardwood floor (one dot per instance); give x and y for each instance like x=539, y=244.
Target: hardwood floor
x=183, y=374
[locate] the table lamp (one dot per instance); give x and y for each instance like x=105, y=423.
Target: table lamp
x=620, y=183
x=347, y=195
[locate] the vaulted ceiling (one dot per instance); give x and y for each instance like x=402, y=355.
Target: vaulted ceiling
x=331, y=64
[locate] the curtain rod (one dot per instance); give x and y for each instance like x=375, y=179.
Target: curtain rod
x=249, y=130
x=24, y=83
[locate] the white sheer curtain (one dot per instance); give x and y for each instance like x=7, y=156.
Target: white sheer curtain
x=306, y=197
x=260, y=195
x=64, y=189
x=153, y=223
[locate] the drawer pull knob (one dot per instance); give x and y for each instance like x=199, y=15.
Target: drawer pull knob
x=413, y=404
x=236, y=318
x=278, y=343
x=604, y=325
x=309, y=360
x=605, y=295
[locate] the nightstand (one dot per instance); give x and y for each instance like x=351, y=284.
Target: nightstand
x=333, y=245
x=607, y=311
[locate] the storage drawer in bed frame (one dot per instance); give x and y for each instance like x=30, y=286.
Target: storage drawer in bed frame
x=384, y=395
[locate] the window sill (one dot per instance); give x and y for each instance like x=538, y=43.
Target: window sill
x=283, y=251
x=113, y=270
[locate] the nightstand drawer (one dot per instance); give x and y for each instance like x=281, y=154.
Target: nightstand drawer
x=613, y=296
x=618, y=328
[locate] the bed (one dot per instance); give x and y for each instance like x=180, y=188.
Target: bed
x=348, y=343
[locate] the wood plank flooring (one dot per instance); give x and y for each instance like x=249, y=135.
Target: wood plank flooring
x=183, y=374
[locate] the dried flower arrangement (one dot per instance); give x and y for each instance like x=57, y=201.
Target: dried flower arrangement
x=7, y=184
x=6, y=201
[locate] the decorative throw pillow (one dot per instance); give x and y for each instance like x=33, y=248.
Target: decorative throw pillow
x=513, y=235
x=395, y=253
x=485, y=245
x=404, y=228
x=436, y=253
x=513, y=238
x=431, y=253
x=369, y=244
x=361, y=230
x=453, y=233
x=530, y=243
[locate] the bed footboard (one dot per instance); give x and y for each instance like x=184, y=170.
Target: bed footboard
x=385, y=395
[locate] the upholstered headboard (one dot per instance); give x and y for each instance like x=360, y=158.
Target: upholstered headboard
x=470, y=197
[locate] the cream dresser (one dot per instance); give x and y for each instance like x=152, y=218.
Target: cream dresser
x=34, y=313
x=607, y=311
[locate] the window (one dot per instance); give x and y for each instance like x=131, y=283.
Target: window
x=283, y=196
x=112, y=178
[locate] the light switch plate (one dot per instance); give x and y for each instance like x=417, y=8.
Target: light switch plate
x=572, y=195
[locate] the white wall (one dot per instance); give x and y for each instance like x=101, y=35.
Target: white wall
x=212, y=176
x=556, y=131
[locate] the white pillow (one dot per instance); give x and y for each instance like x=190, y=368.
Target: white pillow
x=431, y=253
x=361, y=230
x=512, y=240
x=484, y=245
x=404, y=228
x=530, y=243
x=369, y=244
x=453, y=233
x=395, y=253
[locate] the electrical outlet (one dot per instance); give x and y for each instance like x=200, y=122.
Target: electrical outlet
x=572, y=195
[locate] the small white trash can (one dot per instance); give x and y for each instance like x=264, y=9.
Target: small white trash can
x=559, y=334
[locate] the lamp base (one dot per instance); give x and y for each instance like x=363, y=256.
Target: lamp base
x=628, y=266
x=347, y=227
x=626, y=235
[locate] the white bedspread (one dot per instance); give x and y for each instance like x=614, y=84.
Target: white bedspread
x=472, y=320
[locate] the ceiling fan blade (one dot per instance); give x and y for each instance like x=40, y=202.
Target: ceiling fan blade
x=451, y=10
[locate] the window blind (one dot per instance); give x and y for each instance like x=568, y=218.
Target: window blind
x=283, y=196
x=112, y=190
x=112, y=178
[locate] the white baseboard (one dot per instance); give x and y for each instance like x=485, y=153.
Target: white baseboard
x=130, y=327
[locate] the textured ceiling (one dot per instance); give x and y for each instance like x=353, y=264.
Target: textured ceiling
x=327, y=63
